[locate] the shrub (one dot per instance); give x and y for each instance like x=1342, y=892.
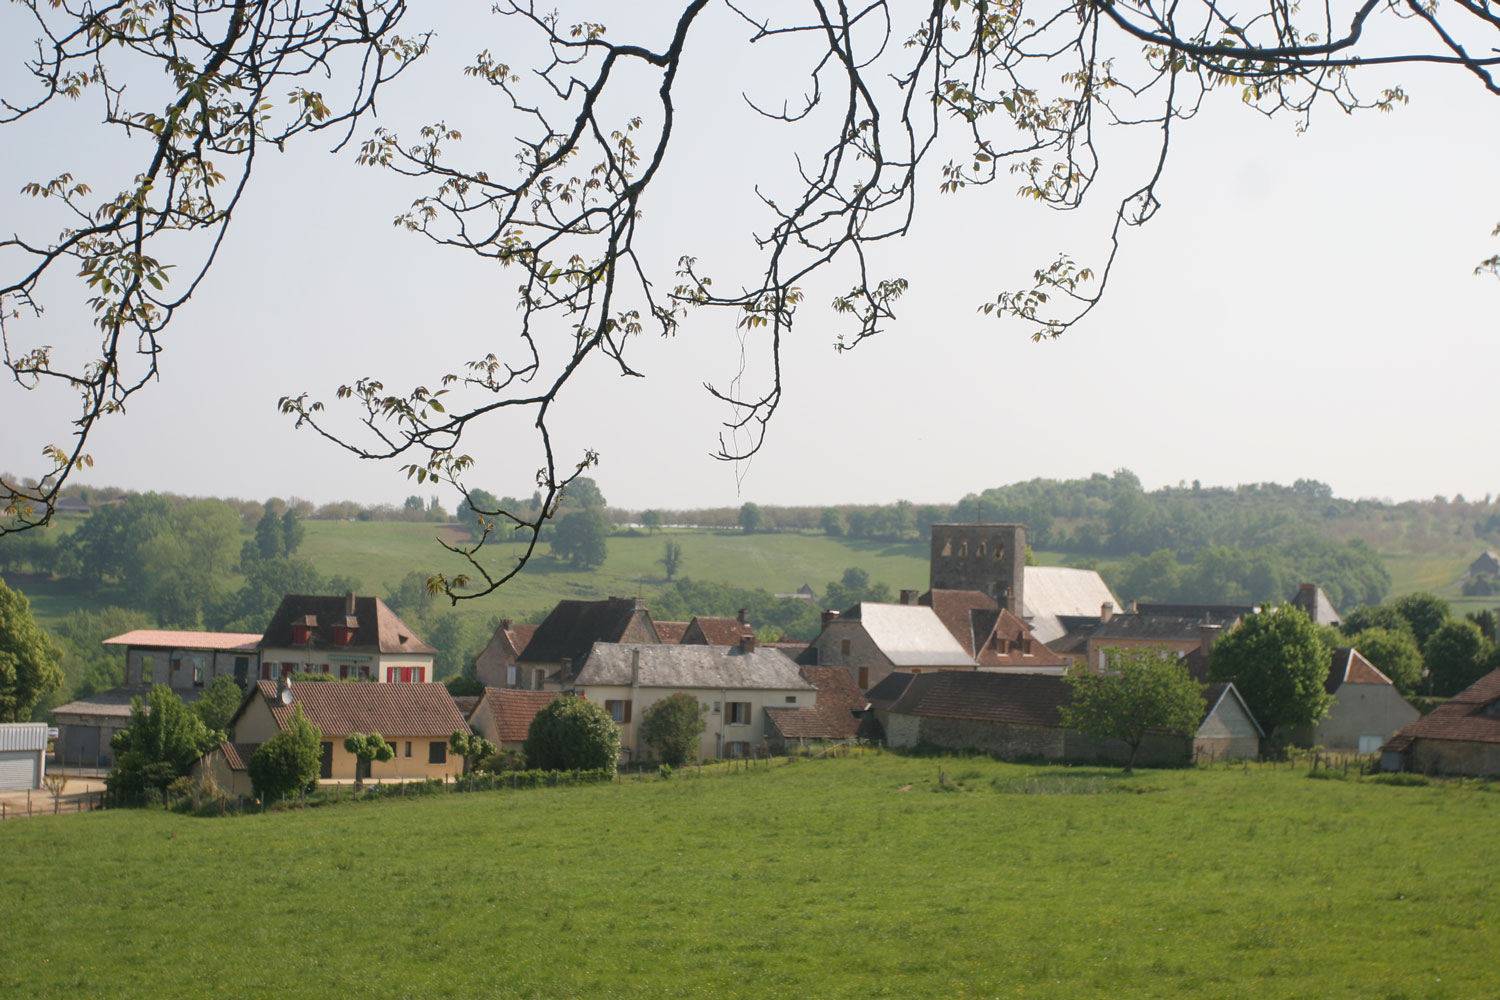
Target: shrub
x=671, y=728
x=572, y=734
x=288, y=762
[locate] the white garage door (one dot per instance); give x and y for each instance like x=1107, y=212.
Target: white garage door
x=18, y=769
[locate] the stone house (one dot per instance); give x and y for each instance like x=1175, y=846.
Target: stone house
x=496, y=664
x=349, y=638
x=1311, y=599
x=555, y=653
x=735, y=685
x=1460, y=736
x=1018, y=716
x=503, y=715
x=1178, y=628
x=841, y=712
x=871, y=640
x=998, y=640
x=705, y=630
x=1367, y=709
x=1056, y=595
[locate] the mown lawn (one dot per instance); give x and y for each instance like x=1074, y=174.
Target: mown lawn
x=845, y=878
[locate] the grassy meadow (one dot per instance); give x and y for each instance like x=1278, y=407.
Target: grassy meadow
x=858, y=877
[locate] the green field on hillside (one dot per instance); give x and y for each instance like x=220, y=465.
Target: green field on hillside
x=859, y=877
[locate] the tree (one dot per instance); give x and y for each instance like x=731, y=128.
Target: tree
x=853, y=588
x=1381, y=616
x=1424, y=612
x=28, y=658
x=1456, y=656
x=478, y=504
x=471, y=747
x=584, y=492
x=751, y=518
x=1394, y=654
x=367, y=747
x=1143, y=690
x=1279, y=664
x=572, y=734
x=651, y=520
x=582, y=539
x=671, y=727
x=832, y=522
x=897, y=92
x=410, y=597
x=159, y=744
x=449, y=635
x=219, y=702
x=289, y=762
x=671, y=558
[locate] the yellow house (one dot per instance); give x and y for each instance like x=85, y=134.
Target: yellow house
x=416, y=719
x=733, y=684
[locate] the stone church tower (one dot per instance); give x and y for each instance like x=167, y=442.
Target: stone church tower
x=990, y=558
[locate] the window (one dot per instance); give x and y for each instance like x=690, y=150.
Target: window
x=147, y=667
x=864, y=677
x=364, y=672
x=619, y=711
x=739, y=713
x=791, y=699
x=343, y=671
x=736, y=749
x=717, y=708
x=537, y=677
x=341, y=634
x=299, y=634
x=844, y=646
x=512, y=676
x=437, y=752
x=200, y=671
x=408, y=748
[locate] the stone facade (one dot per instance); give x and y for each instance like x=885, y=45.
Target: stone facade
x=989, y=558
x=1454, y=757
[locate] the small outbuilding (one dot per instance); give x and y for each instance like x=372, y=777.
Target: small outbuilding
x=1460, y=736
x=23, y=755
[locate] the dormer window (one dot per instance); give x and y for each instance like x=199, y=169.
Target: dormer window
x=342, y=634
x=300, y=634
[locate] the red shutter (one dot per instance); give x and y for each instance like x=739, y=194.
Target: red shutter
x=421, y=675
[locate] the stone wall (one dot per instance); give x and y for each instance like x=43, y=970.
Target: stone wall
x=1455, y=757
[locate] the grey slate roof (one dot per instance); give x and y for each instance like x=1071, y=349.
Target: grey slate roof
x=1172, y=626
x=663, y=666
x=910, y=635
x=376, y=627
x=1319, y=608
x=116, y=701
x=1053, y=591
x=574, y=626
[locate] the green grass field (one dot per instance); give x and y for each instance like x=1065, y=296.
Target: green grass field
x=827, y=879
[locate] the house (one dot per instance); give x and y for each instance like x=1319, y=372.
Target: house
x=1488, y=564
x=1179, y=628
x=871, y=640
x=734, y=684
x=1311, y=599
x=840, y=712
x=349, y=637
x=417, y=719
x=670, y=632
x=997, y=639
x=558, y=646
x=1460, y=736
x=186, y=661
x=1018, y=716
x=23, y=755
x=1367, y=709
x=503, y=715
x=704, y=630
x=495, y=666
x=1055, y=593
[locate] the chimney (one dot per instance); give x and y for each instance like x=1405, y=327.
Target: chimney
x=635, y=668
x=1106, y=611
x=908, y=597
x=1007, y=600
x=1133, y=609
x=506, y=624
x=744, y=616
x=747, y=643
x=829, y=617
x=349, y=604
x=1207, y=636
x=640, y=604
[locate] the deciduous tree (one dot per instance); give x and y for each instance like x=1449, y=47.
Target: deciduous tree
x=367, y=747
x=1143, y=690
x=472, y=748
x=28, y=658
x=159, y=744
x=671, y=727
x=1280, y=664
x=572, y=734
x=671, y=558
x=582, y=538
x=289, y=762
x=1457, y=655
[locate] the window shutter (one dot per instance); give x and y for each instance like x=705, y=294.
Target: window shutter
x=628, y=703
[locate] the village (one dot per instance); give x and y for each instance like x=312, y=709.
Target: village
x=976, y=663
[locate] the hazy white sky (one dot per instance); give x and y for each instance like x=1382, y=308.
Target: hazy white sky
x=1303, y=306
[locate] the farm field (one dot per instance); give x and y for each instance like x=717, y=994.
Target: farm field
x=855, y=877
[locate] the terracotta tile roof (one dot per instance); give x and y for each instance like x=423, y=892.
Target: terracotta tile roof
x=1350, y=667
x=167, y=639
x=573, y=627
x=237, y=755
x=706, y=631
x=339, y=708
x=838, y=699
x=1018, y=699
x=670, y=632
x=520, y=637
x=466, y=703
x=954, y=607
x=1471, y=716
x=378, y=628
x=513, y=710
x=1005, y=641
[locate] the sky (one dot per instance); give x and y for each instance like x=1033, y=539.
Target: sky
x=1303, y=306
